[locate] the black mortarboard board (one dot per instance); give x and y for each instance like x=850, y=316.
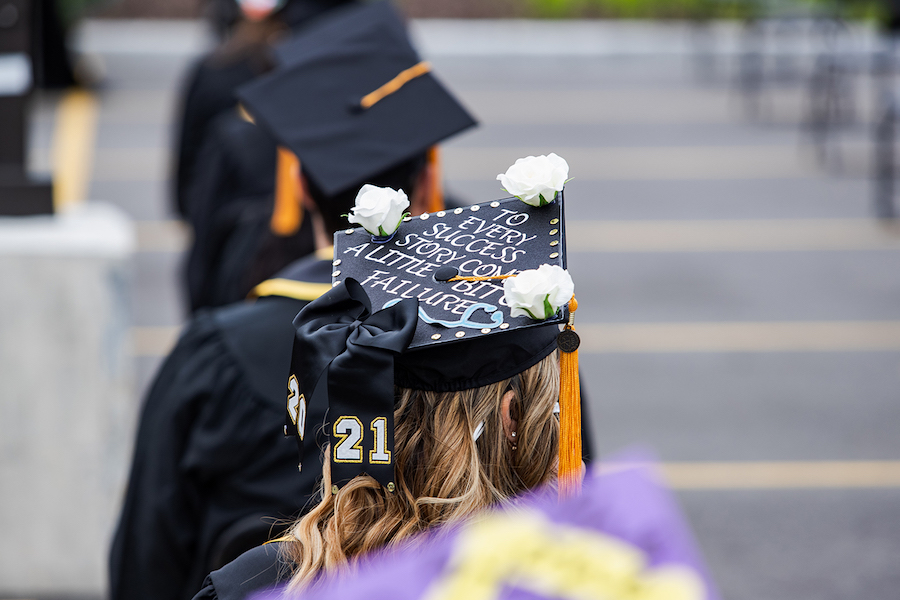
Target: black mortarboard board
x=402, y=312
x=465, y=336
x=315, y=105
x=344, y=20
x=302, y=13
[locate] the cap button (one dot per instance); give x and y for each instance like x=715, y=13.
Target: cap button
x=445, y=273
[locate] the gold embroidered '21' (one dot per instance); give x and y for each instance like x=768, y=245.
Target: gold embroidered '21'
x=296, y=405
x=348, y=449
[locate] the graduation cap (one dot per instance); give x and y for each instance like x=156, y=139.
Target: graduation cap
x=425, y=308
x=341, y=21
x=354, y=100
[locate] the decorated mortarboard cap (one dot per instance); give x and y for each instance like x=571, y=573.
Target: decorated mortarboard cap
x=357, y=102
x=447, y=301
x=453, y=262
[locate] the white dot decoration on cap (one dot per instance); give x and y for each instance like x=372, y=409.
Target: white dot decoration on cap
x=460, y=333
x=424, y=216
x=436, y=336
x=348, y=231
x=457, y=211
x=336, y=262
x=336, y=274
x=475, y=208
x=495, y=204
x=441, y=213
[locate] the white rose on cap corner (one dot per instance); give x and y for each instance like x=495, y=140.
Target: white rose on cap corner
x=535, y=180
x=379, y=210
x=538, y=293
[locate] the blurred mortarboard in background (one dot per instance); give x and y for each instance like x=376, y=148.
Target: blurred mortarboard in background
x=357, y=102
x=341, y=21
x=293, y=12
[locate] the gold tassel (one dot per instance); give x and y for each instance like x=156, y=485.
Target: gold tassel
x=402, y=78
x=436, y=193
x=570, y=410
x=287, y=215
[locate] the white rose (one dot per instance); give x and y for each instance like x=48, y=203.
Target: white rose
x=538, y=293
x=379, y=210
x=535, y=180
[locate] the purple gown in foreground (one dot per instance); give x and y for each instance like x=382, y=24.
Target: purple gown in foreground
x=624, y=537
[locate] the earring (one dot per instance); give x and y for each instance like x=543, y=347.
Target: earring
x=514, y=446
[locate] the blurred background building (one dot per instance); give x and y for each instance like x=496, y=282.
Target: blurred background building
x=732, y=240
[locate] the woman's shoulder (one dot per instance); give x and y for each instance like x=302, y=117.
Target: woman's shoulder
x=255, y=570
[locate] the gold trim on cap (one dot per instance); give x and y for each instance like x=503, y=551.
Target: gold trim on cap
x=288, y=288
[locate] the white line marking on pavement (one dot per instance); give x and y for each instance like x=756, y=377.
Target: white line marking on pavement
x=788, y=336
x=781, y=475
x=732, y=235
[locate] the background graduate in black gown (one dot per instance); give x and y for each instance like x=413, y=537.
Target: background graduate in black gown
x=211, y=471
x=225, y=165
x=246, y=53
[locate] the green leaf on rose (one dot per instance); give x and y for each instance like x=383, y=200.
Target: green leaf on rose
x=548, y=308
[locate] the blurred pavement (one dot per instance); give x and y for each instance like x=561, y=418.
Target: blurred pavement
x=740, y=308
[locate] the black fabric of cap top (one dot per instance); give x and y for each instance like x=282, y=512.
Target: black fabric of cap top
x=465, y=336
x=297, y=12
x=313, y=105
x=342, y=21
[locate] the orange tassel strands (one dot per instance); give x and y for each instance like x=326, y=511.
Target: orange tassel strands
x=287, y=215
x=569, y=409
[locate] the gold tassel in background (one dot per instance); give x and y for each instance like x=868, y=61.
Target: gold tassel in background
x=436, y=195
x=287, y=215
x=569, y=409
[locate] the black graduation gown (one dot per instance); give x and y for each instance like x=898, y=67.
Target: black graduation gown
x=210, y=85
x=254, y=571
x=235, y=176
x=237, y=160
x=209, y=92
x=210, y=460
x=240, y=252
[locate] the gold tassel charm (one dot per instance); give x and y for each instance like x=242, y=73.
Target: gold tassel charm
x=570, y=408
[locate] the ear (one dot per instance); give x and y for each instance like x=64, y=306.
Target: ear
x=510, y=425
x=425, y=182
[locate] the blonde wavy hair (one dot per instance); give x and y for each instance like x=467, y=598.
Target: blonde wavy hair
x=442, y=474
